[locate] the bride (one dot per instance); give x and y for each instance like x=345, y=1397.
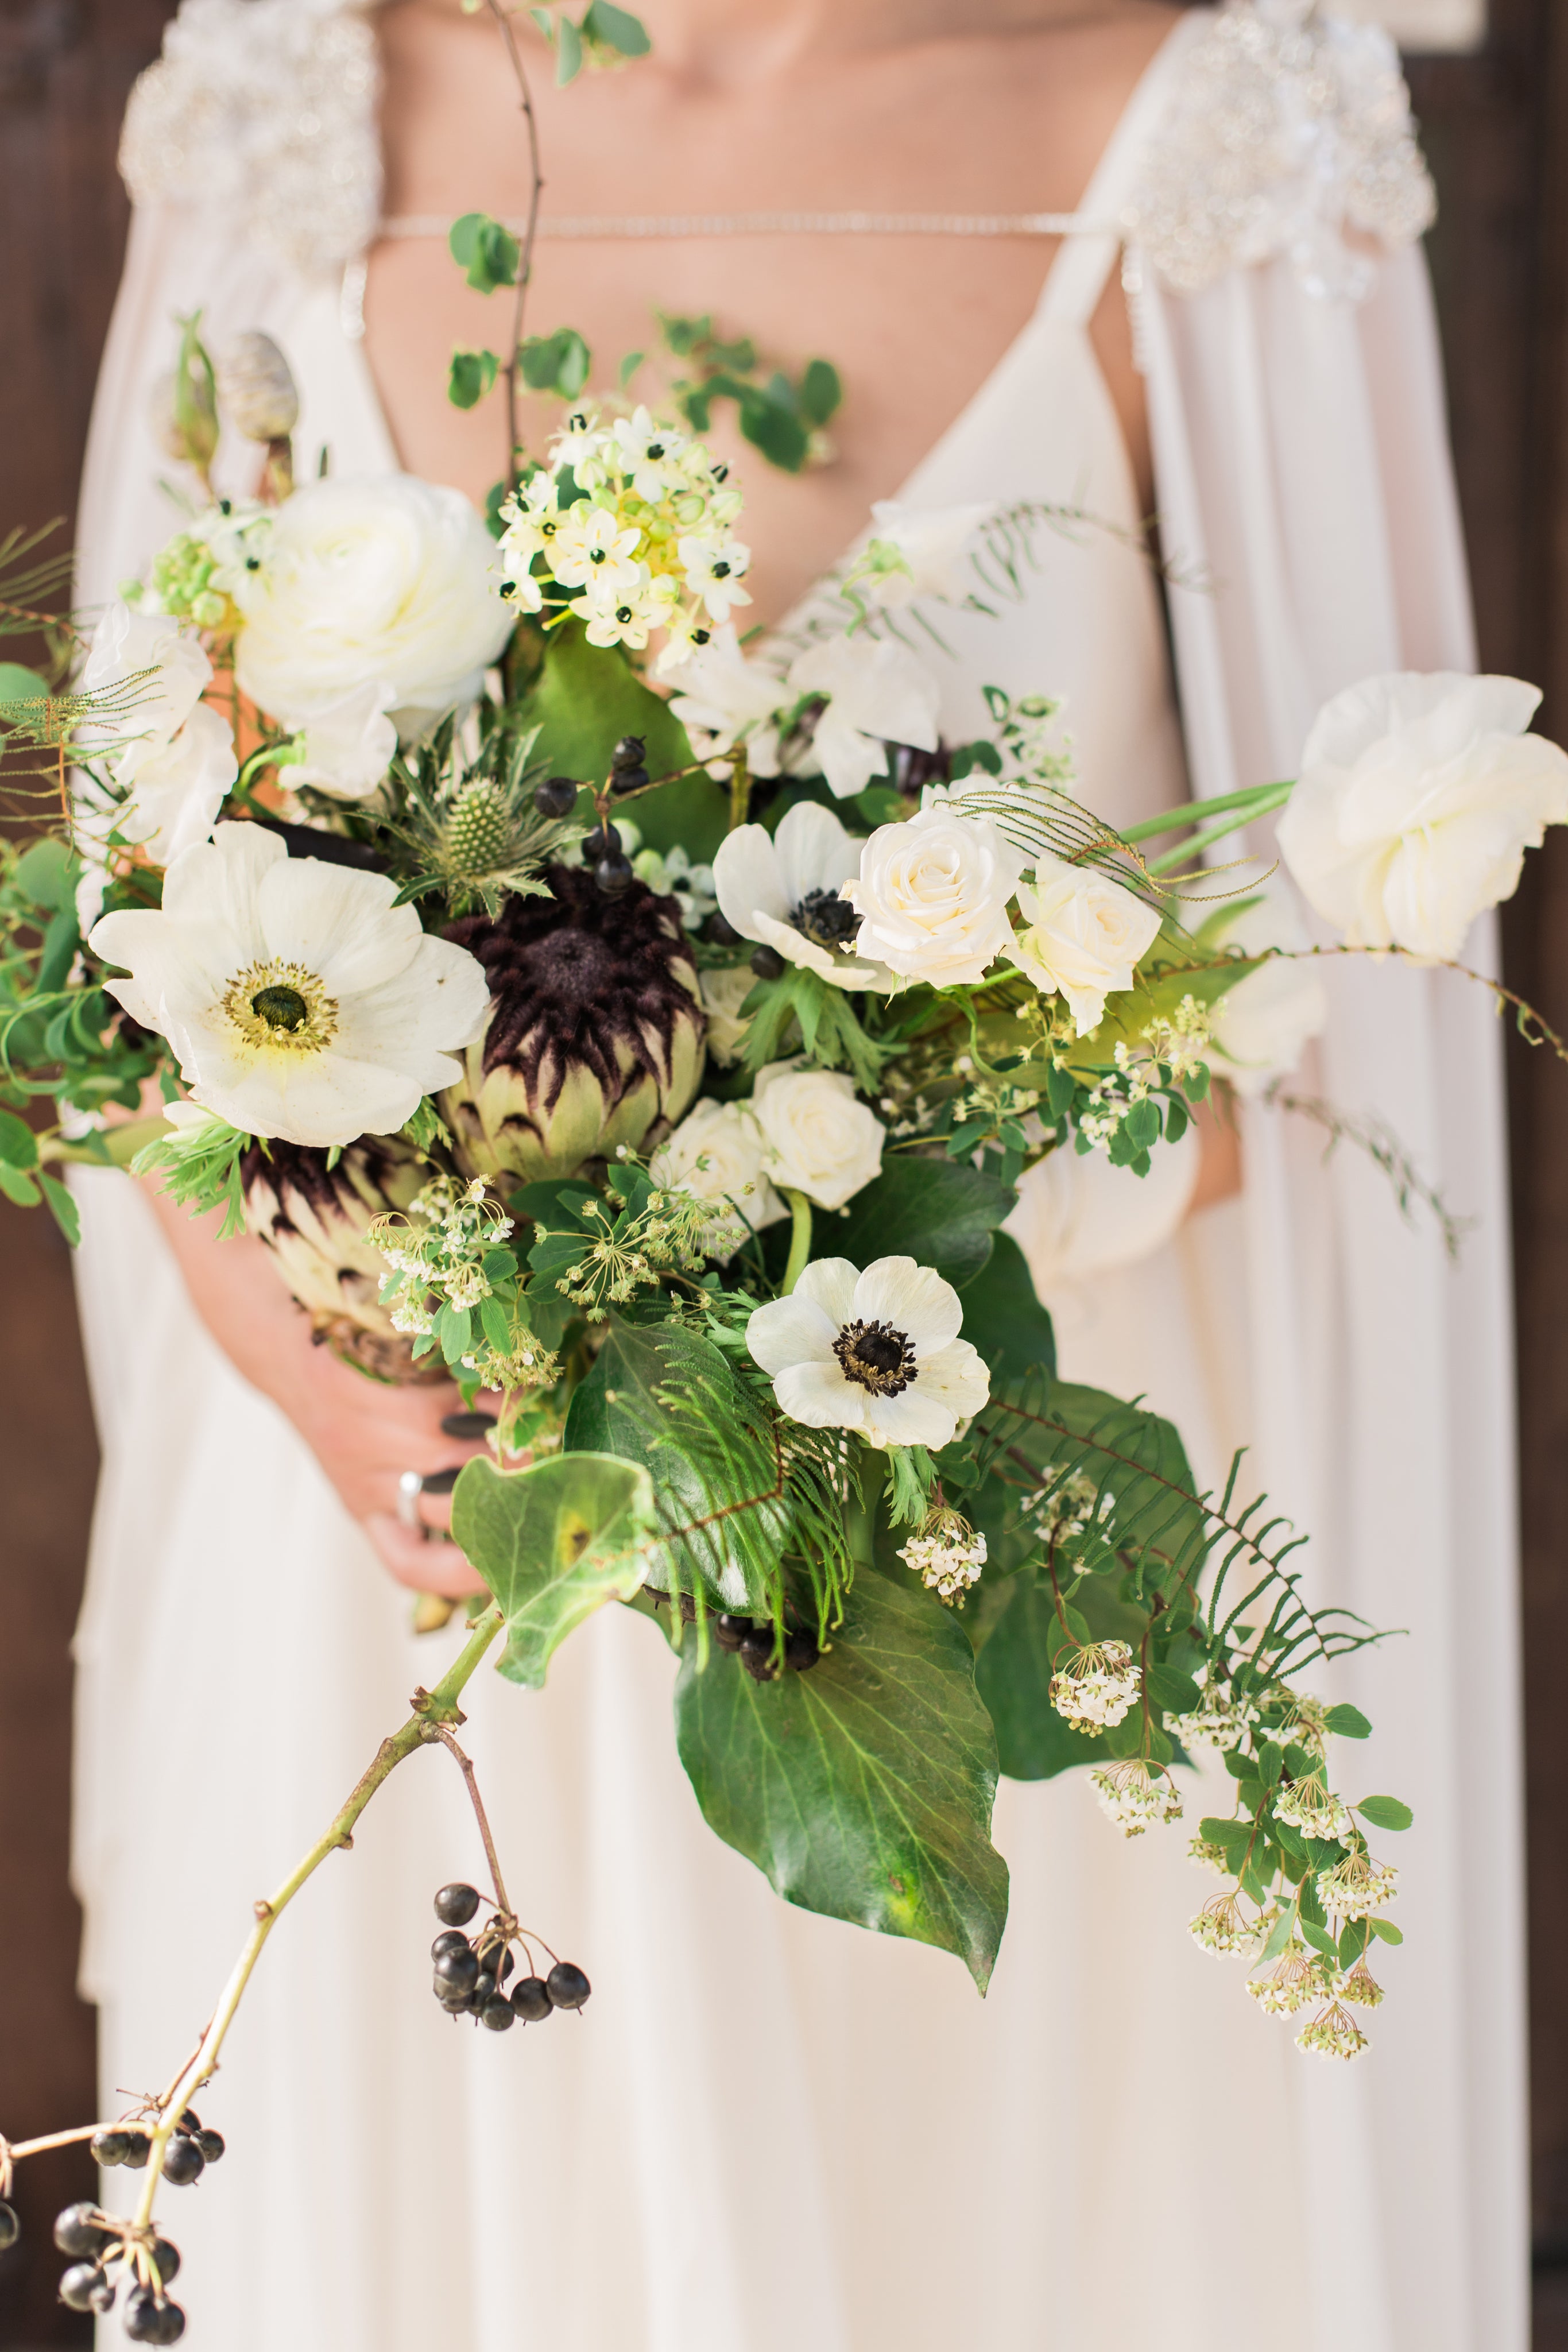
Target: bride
x=770, y=2130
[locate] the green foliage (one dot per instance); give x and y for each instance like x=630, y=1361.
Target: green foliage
x=472, y=375
x=1002, y=1316
x=60, y=1035
x=830, y=1027
x=1012, y=1674
x=737, y=1489
x=558, y=364
x=1385, y=1812
x=485, y=249
x=933, y=1211
x=863, y=1789
x=201, y=1170
x=780, y=415
x=1347, y=1723
x=553, y=1542
x=584, y=700
x=604, y=35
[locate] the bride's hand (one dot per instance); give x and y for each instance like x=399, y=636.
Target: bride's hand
x=364, y=1435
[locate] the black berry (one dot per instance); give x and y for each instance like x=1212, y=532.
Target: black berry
x=498, y=2014
x=190, y=2121
x=502, y=1967
x=482, y=1990
x=723, y=934
x=451, y=1939
x=149, y=2319
x=767, y=964
x=184, y=2161
x=80, y=2285
x=628, y=753
x=77, y=2232
x=603, y=842
x=452, y=2002
x=10, y=2227
x=101, y=2297
x=459, y=1971
x=756, y=1651
x=557, y=796
x=800, y=1650
x=139, y=2149
x=111, y=2146
x=167, y=2258
x=530, y=1999
x=455, y=1906
x=567, y=1986
x=628, y=780
x=211, y=2144
x=614, y=875
x=730, y=1632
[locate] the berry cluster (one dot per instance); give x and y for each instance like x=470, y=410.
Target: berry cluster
x=185, y=2158
x=603, y=851
x=96, y=2243
x=470, y=1974
x=753, y=1639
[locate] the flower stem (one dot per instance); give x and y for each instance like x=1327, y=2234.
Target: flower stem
x=739, y=788
x=501, y=18
x=431, y=1710
x=1256, y=801
x=800, y=1239
x=466, y=1763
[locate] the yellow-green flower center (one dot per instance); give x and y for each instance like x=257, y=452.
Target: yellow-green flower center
x=281, y=1007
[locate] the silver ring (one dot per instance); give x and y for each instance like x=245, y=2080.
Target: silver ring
x=411, y=1485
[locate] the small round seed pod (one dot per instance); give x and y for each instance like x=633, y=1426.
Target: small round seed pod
x=256, y=390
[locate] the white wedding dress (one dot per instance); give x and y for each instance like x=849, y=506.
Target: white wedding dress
x=772, y=2131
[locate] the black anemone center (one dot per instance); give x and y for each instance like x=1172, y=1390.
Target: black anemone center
x=281, y=1008
x=826, y=918
x=876, y=1356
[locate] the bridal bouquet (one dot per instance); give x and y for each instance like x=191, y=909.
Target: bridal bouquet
x=651, y=1032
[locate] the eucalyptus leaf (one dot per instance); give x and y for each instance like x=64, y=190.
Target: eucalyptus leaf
x=939, y=1214
x=863, y=1789
x=553, y=1543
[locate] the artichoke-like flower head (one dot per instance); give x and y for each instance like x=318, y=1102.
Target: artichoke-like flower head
x=312, y=1211
x=595, y=1031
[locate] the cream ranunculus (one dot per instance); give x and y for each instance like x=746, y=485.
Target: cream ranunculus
x=819, y=1140
x=348, y=745
x=380, y=582
x=300, y=1000
x=1083, y=936
x=716, y=1154
x=877, y=1352
x=725, y=989
x=1417, y=800
x=176, y=760
x=932, y=896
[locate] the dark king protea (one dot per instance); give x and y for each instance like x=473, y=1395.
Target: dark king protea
x=313, y=1220
x=595, y=1030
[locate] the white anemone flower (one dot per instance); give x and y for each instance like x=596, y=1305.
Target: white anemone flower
x=176, y=756
x=877, y=693
x=721, y=698
x=300, y=1000
x=783, y=890
x=877, y=1352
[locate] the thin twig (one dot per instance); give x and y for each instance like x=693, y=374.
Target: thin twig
x=502, y=20
x=443, y=1733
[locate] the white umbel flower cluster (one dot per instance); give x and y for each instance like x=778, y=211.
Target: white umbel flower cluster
x=1095, y=1687
x=438, y=1251
x=650, y=546
x=1308, y=1806
x=1222, y=1929
x=1216, y=1721
x=1297, y=1978
x=1131, y=1796
x=1333, y=2033
x=946, y=1555
x=1357, y=1887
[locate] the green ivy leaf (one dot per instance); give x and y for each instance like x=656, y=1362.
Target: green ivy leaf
x=940, y=1215
x=863, y=1789
x=1002, y=1317
x=1384, y=1812
x=584, y=700
x=553, y=1543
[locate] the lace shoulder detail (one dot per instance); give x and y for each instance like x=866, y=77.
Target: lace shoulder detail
x=267, y=109
x=1286, y=127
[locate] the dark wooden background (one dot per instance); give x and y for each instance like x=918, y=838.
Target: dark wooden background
x=1497, y=130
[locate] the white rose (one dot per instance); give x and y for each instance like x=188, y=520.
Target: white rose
x=878, y=693
x=1085, y=935
x=932, y=896
x=820, y=1140
x=349, y=744
x=1259, y=1028
x=716, y=1154
x=1417, y=801
x=385, y=579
